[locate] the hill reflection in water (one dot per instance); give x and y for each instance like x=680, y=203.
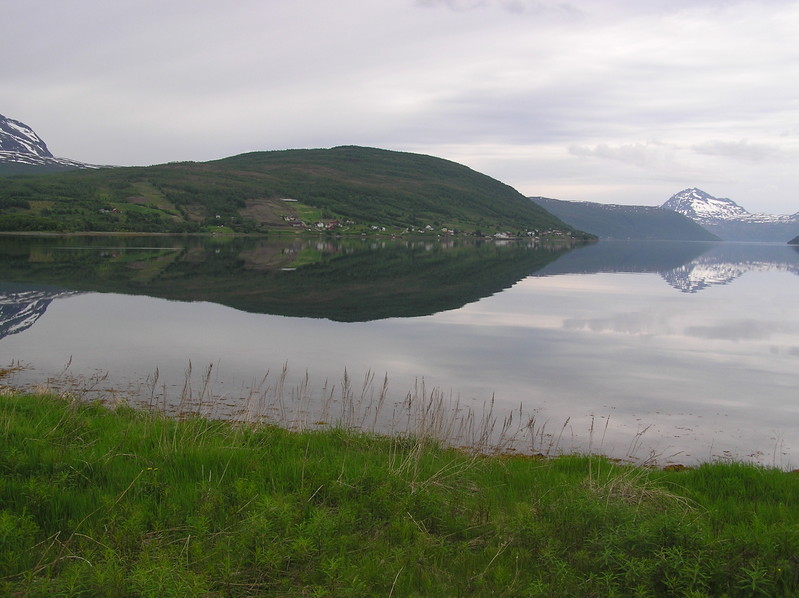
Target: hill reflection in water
x=570, y=334
x=341, y=280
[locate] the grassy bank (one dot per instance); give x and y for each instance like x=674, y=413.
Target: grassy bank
x=117, y=502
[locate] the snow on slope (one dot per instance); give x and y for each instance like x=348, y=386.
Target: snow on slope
x=20, y=138
x=706, y=209
x=20, y=145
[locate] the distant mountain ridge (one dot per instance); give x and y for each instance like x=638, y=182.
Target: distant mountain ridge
x=23, y=151
x=729, y=221
x=610, y=221
x=690, y=215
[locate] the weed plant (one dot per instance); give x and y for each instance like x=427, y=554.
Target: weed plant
x=99, y=501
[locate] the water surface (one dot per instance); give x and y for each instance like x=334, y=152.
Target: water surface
x=678, y=352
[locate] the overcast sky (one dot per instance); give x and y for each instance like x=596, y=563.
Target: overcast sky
x=614, y=101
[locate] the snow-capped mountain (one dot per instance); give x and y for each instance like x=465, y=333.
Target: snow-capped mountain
x=730, y=221
x=20, y=138
x=21, y=149
x=700, y=206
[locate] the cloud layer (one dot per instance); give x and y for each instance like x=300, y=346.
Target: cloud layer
x=613, y=101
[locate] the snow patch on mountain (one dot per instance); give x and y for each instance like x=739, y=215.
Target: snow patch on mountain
x=706, y=209
x=17, y=137
x=20, y=145
x=34, y=160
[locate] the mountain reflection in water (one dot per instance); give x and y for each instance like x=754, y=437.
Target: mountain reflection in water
x=341, y=280
x=688, y=267
x=615, y=331
x=20, y=308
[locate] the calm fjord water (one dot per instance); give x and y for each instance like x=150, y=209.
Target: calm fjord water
x=685, y=351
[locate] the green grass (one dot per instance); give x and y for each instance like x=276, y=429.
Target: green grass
x=98, y=501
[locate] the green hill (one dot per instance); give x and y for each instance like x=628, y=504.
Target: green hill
x=351, y=188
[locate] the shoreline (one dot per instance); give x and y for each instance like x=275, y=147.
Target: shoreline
x=431, y=411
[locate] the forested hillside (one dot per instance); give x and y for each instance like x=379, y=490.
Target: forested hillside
x=352, y=189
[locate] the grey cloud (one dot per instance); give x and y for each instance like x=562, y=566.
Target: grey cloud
x=644, y=155
x=739, y=150
x=452, y=4
x=569, y=95
x=512, y=6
